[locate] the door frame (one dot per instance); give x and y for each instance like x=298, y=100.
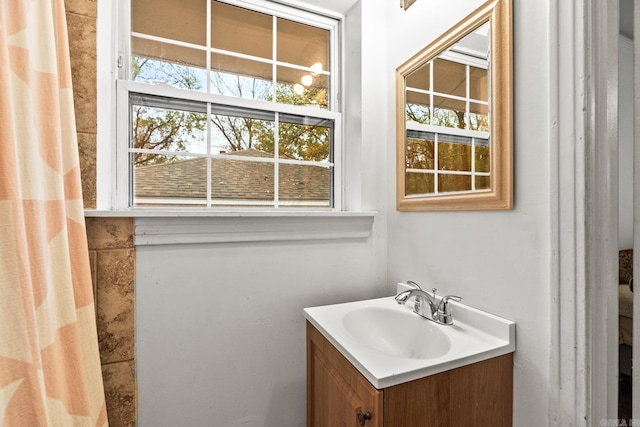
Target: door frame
x=583, y=207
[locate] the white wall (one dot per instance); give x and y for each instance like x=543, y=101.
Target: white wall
x=625, y=147
x=220, y=334
x=497, y=261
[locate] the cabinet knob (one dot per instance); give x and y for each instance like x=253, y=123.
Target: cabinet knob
x=363, y=417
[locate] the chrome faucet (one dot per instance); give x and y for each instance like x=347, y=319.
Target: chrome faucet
x=440, y=313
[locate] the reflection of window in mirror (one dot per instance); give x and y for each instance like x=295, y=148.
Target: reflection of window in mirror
x=454, y=115
x=447, y=120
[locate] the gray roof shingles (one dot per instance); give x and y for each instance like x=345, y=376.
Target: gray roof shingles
x=232, y=180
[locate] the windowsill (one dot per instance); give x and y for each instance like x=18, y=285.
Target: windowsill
x=171, y=227
x=210, y=213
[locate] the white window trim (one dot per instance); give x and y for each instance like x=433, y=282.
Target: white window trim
x=250, y=229
x=180, y=227
x=112, y=177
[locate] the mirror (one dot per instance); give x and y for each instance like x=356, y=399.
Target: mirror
x=455, y=117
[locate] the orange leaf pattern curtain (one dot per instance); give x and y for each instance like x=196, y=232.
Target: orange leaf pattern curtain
x=50, y=371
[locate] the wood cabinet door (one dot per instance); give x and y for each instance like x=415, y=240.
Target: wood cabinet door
x=336, y=391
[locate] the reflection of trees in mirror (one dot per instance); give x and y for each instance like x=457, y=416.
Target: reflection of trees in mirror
x=454, y=154
x=479, y=122
x=446, y=118
x=441, y=116
x=419, y=154
x=174, y=130
x=418, y=113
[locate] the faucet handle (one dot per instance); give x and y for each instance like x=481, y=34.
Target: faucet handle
x=444, y=314
x=446, y=299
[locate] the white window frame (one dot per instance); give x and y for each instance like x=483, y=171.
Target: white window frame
x=113, y=167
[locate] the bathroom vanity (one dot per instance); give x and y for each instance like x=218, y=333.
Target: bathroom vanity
x=355, y=379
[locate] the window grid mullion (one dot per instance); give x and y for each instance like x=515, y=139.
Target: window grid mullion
x=276, y=164
x=209, y=119
x=274, y=65
x=467, y=93
x=209, y=142
x=208, y=58
x=431, y=110
x=435, y=162
x=276, y=127
x=468, y=124
x=473, y=164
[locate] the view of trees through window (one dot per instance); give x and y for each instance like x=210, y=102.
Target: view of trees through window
x=176, y=130
x=189, y=144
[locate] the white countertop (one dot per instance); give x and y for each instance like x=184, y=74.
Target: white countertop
x=475, y=336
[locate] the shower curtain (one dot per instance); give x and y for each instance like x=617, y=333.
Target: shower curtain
x=50, y=371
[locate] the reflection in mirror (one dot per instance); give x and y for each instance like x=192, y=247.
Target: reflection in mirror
x=447, y=118
x=454, y=148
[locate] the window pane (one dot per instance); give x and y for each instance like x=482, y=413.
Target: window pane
x=478, y=84
x=170, y=181
x=453, y=183
x=183, y=20
x=448, y=112
x=167, y=129
x=241, y=134
x=304, y=141
x=241, y=183
x=304, y=185
x=418, y=107
x=454, y=153
x=418, y=183
x=154, y=62
x=420, y=78
x=241, y=77
x=297, y=87
x=483, y=160
x=241, y=30
x=302, y=44
x=483, y=182
x=419, y=154
x=449, y=77
x=479, y=122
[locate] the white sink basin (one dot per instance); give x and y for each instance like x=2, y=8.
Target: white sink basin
x=390, y=345
x=393, y=332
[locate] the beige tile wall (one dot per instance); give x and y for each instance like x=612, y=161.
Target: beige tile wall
x=112, y=257
x=111, y=250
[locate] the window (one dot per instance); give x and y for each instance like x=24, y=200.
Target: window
x=227, y=104
x=447, y=111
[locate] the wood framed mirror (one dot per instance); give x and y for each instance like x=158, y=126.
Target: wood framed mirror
x=454, y=132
